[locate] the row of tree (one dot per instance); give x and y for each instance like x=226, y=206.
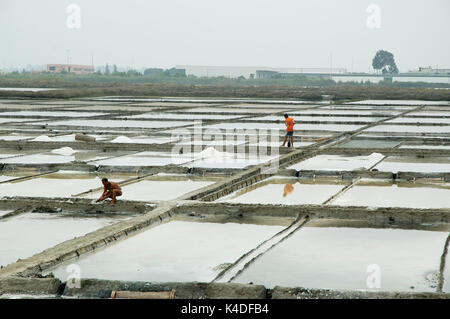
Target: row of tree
x=174, y=72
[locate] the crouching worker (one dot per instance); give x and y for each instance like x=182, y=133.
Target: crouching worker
x=110, y=190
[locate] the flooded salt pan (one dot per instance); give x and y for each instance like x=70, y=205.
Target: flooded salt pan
x=50, y=187
x=116, y=123
x=286, y=192
x=143, y=140
x=429, y=147
x=14, y=137
x=52, y=113
x=362, y=143
x=64, y=138
x=278, y=144
x=14, y=120
x=338, y=162
x=338, y=258
x=150, y=190
x=400, y=102
x=374, y=113
x=182, y=116
x=413, y=120
x=231, y=110
x=27, y=234
x=233, y=162
x=51, y=158
x=410, y=128
x=273, y=126
x=4, y=212
x=304, y=118
x=143, y=160
x=198, y=251
x=395, y=195
x=396, y=164
x=8, y=153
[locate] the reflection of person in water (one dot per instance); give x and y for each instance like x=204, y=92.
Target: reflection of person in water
x=110, y=190
x=288, y=189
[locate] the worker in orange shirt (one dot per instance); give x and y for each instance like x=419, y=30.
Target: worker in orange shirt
x=289, y=121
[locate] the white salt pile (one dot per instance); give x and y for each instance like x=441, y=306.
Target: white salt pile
x=64, y=151
x=122, y=139
x=42, y=138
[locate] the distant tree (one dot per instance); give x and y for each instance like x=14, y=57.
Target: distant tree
x=385, y=62
x=133, y=72
x=107, y=72
x=153, y=71
x=252, y=76
x=114, y=69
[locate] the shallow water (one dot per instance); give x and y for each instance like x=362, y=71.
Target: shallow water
x=4, y=120
x=139, y=160
x=27, y=234
x=338, y=258
x=393, y=195
x=182, y=116
x=113, y=108
x=405, y=164
x=291, y=192
x=4, y=178
x=420, y=120
x=197, y=252
x=399, y=102
x=149, y=190
x=368, y=144
x=53, y=113
x=13, y=137
x=337, y=162
x=304, y=118
x=374, y=113
x=4, y=212
x=39, y=159
x=430, y=147
x=4, y=154
x=51, y=158
x=410, y=128
x=233, y=110
x=143, y=140
x=278, y=144
x=27, y=89
x=65, y=138
x=430, y=113
x=281, y=126
x=50, y=187
x=233, y=162
x=116, y=123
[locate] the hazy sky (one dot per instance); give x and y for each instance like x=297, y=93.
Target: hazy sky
x=272, y=33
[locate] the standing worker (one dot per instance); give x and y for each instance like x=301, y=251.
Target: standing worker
x=289, y=121
x=110, y=190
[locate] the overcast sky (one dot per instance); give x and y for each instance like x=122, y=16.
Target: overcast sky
x=272, y=33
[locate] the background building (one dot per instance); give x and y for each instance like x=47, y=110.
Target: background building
x=70, y=68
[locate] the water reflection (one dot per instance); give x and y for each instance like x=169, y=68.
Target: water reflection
x=288, y=188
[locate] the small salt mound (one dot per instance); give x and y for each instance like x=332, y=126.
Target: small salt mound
x=211, y=152
x=42, y=138
x=375, y=156
x=122, y=139
x=64, y=151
